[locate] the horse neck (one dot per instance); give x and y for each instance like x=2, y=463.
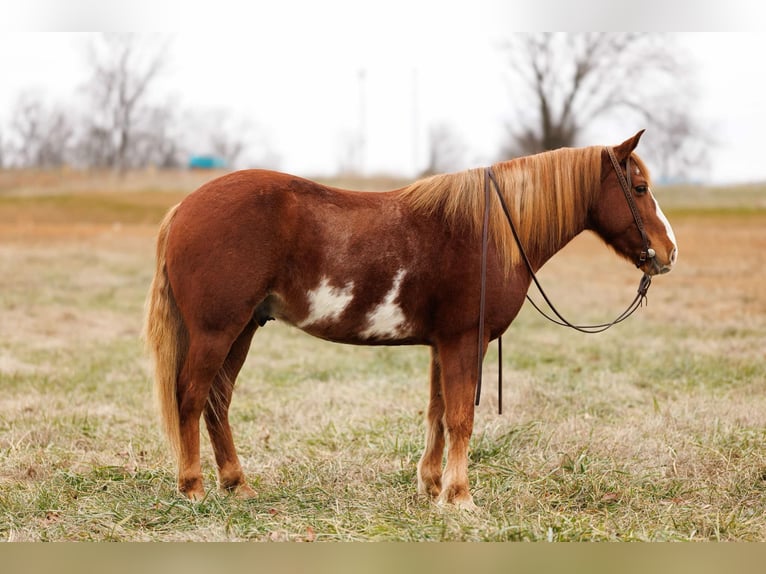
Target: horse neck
x=548, y=214
x=541, y=255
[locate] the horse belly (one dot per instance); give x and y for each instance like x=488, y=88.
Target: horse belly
x=352, y=310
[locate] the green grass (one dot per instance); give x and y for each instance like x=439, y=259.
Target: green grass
x=332, y=451
x=652, y=431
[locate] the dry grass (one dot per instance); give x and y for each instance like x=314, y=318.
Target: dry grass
x=651, y=431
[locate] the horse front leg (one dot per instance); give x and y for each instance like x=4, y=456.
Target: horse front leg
x=458, y=381
x=430, y=465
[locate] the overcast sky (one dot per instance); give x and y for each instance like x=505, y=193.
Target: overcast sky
x=309, y=76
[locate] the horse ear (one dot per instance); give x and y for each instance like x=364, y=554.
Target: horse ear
x=623, y=150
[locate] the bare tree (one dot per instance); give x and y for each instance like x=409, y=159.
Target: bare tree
x=226, y=137
x=3, y=150
x=123, y=69
x=219, y=133
x=680, y=149
x=565, y=83
x=445, y=149
x=40, y=136
x=157, y=142
x=26, y=130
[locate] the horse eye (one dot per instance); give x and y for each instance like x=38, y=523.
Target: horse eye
x=641, y=189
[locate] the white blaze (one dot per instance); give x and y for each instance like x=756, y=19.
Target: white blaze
x=327, y=302
x=387, y=318
x=666, y=223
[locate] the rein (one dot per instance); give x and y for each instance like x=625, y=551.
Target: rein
x=643, y=285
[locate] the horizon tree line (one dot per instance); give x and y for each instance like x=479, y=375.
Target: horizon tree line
x=560, y=86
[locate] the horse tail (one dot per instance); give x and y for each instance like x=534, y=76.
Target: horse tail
x=167, y=339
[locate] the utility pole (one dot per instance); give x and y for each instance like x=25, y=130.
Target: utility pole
x=415, y=121
x=362, y=143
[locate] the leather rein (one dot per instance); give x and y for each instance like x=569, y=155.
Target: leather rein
x=643, y=285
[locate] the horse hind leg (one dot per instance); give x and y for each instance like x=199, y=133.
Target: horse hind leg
x=206, y=356
x=231, y=478
x=430, y=465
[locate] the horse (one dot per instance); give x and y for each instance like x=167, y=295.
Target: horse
x=398, y=267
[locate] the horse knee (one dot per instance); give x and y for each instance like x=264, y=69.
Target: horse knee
x=459, y=425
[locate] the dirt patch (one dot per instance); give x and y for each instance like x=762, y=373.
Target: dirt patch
x=67, y=287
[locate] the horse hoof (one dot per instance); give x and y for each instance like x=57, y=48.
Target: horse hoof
x=464, y=503
x=192, y=489
x=244, y=492
x=194, y=495
x=431, y=491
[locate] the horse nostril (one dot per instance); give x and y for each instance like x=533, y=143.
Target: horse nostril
x=673, y=256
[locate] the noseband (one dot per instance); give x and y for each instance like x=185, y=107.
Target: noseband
x=643, y=285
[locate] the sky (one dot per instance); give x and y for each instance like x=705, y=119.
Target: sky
x=307, y=79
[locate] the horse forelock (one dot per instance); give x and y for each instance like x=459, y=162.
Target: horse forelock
x=549, y=195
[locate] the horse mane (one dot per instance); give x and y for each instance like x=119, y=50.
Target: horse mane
x=548, y=195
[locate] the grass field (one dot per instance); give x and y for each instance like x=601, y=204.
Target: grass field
x=655, y=430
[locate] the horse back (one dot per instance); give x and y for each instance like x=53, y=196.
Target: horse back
x=347, y=266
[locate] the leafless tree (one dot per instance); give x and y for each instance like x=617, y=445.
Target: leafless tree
x=158, y=142
x=681, y=148
x=3, y=151
x=219, y=133
x=40, y=136
x=123, y=70
x=563, y=83
x=445, y=149
x=226, y=137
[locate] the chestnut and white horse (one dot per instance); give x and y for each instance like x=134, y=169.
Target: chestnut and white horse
x=394, y=268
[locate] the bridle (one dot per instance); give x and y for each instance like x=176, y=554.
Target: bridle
x=647, y=252
x=643, y=285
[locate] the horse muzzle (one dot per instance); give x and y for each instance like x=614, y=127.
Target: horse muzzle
x=653, y=265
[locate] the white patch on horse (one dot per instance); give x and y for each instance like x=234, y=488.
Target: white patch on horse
x=387, y=319
x=327, y=303
x=668, y=228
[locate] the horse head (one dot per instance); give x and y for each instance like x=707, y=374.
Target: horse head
x=627, y=216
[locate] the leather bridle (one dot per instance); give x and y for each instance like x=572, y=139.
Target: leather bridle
x=647, y=252
x=643, y=286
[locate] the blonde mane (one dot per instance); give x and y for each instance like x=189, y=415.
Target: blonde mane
x=548, y=194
